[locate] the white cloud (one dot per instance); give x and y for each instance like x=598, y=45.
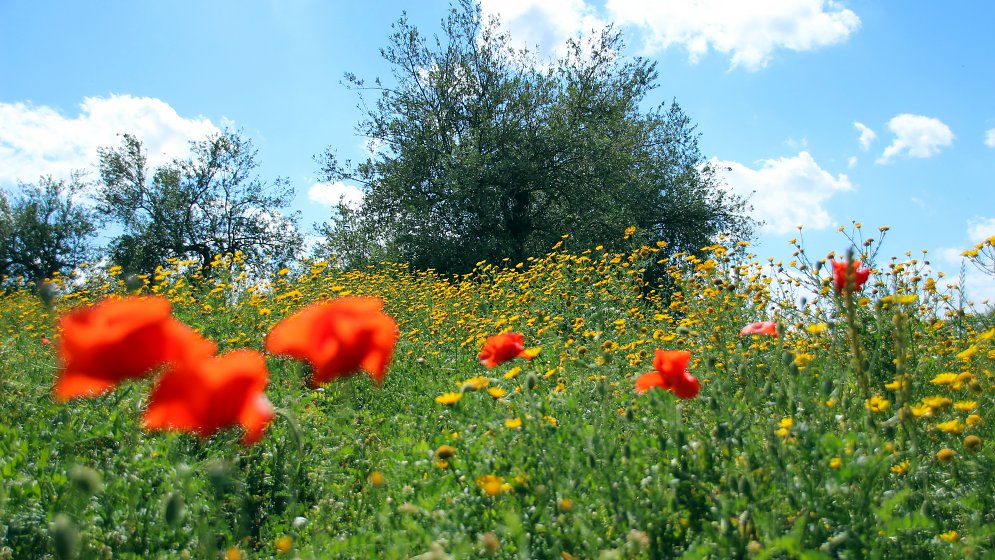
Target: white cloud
x=330, y=194
x=851, y=162
x=916, y=136
x=796, y=144
x=748, y=31
x=990, y=138
x=979, y=229
x=543, y=26
x=38, y=140
x=866, y=135
x=786, y=192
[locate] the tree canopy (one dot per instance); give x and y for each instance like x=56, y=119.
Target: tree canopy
x=44, y=230
x=209, y=204
x=484, y=153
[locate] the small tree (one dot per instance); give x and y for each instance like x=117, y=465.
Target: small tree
x=44, y=229
x=487, y=154
x=209, y=204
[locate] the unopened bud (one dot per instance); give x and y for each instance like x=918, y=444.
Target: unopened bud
x=65, y=537
x=531, y=380
x=86, y=479
x=175, y=508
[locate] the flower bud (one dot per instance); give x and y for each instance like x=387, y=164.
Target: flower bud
x=87, y=480
x=175, y=508
x=65, y=537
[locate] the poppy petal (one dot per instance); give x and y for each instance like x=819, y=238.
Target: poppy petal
x=647, y=381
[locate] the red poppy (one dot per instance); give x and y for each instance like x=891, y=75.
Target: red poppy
x=768, y=328
x=119, y=339
x=205, y=395
x=840, y=269
x=671, y=374
x=338, y=337
x=503, y=347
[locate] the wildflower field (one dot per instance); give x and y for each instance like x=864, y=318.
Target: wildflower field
x=571, y=406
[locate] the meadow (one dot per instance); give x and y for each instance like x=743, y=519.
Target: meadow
x=861, y=430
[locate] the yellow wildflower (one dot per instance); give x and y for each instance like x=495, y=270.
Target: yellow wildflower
x=876, y=404
x=895, y=385
x=802, y=360
x=284, y=544
x=530, y=353
x=475, y=383
x=949, y=536
x=952, y=427
x=962, y=379
x=966, y=406
x=936, y=403
x=490, y=484
x=945, y=455
x=445, y=451
x=920, y=410
x=944, y=378
x=449, y=399
x=513, y=423
x=968, y=353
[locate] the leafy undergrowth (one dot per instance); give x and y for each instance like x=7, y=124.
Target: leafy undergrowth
x=851, y=435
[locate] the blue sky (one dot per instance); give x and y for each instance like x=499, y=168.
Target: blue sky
x=829, y=112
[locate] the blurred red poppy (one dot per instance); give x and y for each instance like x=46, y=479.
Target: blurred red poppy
x=502, y=348
x=206, y=395
x=768, y=328
x=671, y=374
x=119, y=339
x=338, y=337
x=840, y=269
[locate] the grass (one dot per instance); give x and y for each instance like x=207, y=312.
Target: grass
x=793, y=449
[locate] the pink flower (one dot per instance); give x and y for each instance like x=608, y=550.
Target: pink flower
x=768, y=328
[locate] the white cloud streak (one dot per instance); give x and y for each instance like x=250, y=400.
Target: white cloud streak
x=979, y=229
x=786, y=192
x=916, y=136
x=990, y=138
x=866, y=135
x=39, y=140
x=330, y=194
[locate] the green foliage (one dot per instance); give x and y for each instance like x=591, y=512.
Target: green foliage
x=210, y=204
x=484, y=153
x=44, y=230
